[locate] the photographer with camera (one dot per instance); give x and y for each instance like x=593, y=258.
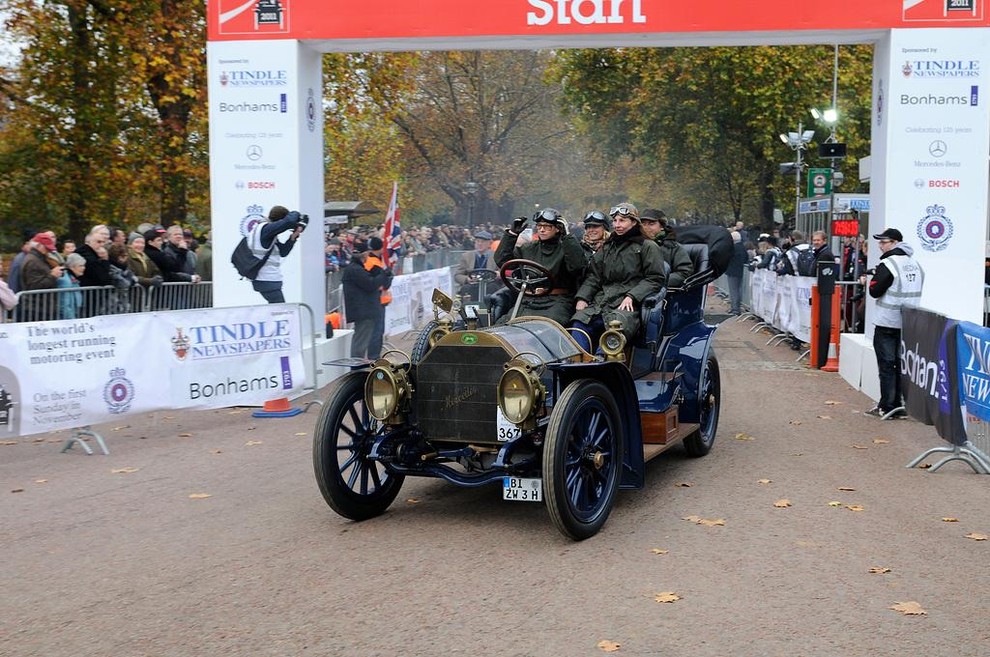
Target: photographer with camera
x=264, y=243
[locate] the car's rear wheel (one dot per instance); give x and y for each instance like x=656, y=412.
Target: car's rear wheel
x=354, y=485
x=700, y=442
x=582, y=458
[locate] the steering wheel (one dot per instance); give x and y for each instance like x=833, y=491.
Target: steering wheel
x=520, y=275
x=482, y=275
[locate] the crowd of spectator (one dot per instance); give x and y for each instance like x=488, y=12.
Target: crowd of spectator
x=109, y=258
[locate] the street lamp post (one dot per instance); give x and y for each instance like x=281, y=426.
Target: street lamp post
x=799, y=142
x=470, y=189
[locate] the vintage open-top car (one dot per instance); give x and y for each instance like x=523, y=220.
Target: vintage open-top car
x=522, y=405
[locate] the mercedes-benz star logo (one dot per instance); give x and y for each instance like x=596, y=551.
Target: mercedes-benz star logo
x=937, y=148
x=254, y=152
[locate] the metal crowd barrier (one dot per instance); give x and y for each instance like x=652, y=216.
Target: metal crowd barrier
x=81, y=302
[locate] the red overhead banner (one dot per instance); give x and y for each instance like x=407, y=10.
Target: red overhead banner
x=232, y=20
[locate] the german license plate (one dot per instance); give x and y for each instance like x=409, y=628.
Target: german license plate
x=518, y=489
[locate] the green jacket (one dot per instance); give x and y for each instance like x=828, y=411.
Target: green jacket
x=565, y=259
x=677, y=257
x=630, y=267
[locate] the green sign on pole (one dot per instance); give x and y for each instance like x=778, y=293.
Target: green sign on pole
x=819, y=182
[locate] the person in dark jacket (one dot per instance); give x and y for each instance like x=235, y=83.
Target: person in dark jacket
x=557, y=250
x=734, y=273
x=656, y=227
x=39, y=273
x=362, y=303
x=264, y=243
x=628, y=269
x=94, y=250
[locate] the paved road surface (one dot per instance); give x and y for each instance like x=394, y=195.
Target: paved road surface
x=125, y=564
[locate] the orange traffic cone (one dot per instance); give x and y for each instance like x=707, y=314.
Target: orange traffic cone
x=277, y=408
x=832, y=364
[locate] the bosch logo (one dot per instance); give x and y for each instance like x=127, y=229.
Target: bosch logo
x=260, y=184
x=943, y=184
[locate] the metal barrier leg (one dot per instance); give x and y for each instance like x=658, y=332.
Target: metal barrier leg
x=76, y=437
x=965, y=453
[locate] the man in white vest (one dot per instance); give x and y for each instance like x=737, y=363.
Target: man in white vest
x=896, y=284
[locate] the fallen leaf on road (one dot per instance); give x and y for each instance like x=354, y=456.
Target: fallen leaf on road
x=659, y=551
x=185, y=435
x=860, y=447
x=782, y=504
x=41, y=481
x=302, y=433
x=124, y=470
x=795, y=422
x=879, y=570
x=824, y=417
x=977, y=536
x=412, y=500
x=667, y=596
x=8, y=442
x=252, y=443
x=707, y=522
x=950, y=519
x=609, y=646
x=17, y=490
x=925, y=466
x=855, y=507
x=764, y=481
x=744, y=436
x=126, y=426
x=829, y=402
x=835, y=503
x=880, y=441
x=847, y=489
x=683, y=484
x=199, y=496
x=217, y=451
x=909, y=608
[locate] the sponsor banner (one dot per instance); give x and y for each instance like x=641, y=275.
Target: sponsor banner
x=932, y=133
x=412, y=299
x=783, y=301
x=72, y=373
x=431, y=19
x=973, y=358
x=928, y=372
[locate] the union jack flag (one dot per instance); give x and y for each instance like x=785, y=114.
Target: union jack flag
x=392, y=235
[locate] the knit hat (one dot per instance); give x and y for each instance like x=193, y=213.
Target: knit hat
x=375, y=243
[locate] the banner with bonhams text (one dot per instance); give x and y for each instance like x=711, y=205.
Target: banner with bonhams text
x=390, y=20
x=72, y=373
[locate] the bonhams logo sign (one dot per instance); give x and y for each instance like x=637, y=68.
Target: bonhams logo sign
x=585, y=12
x=254, y=16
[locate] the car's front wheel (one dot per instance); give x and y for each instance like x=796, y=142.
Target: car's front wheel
x=353, y=484
x=582, y=458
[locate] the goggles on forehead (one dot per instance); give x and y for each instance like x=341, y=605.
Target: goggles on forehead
x=547, y=215
x=595, y=215
x=624, y=210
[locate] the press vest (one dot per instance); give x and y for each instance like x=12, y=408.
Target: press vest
x=272, y=270
x=905, y=291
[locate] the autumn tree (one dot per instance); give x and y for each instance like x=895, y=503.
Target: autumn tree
x=710, y=116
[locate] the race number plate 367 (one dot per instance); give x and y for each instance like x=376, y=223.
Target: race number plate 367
x=518, y=489
x=506, y=430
